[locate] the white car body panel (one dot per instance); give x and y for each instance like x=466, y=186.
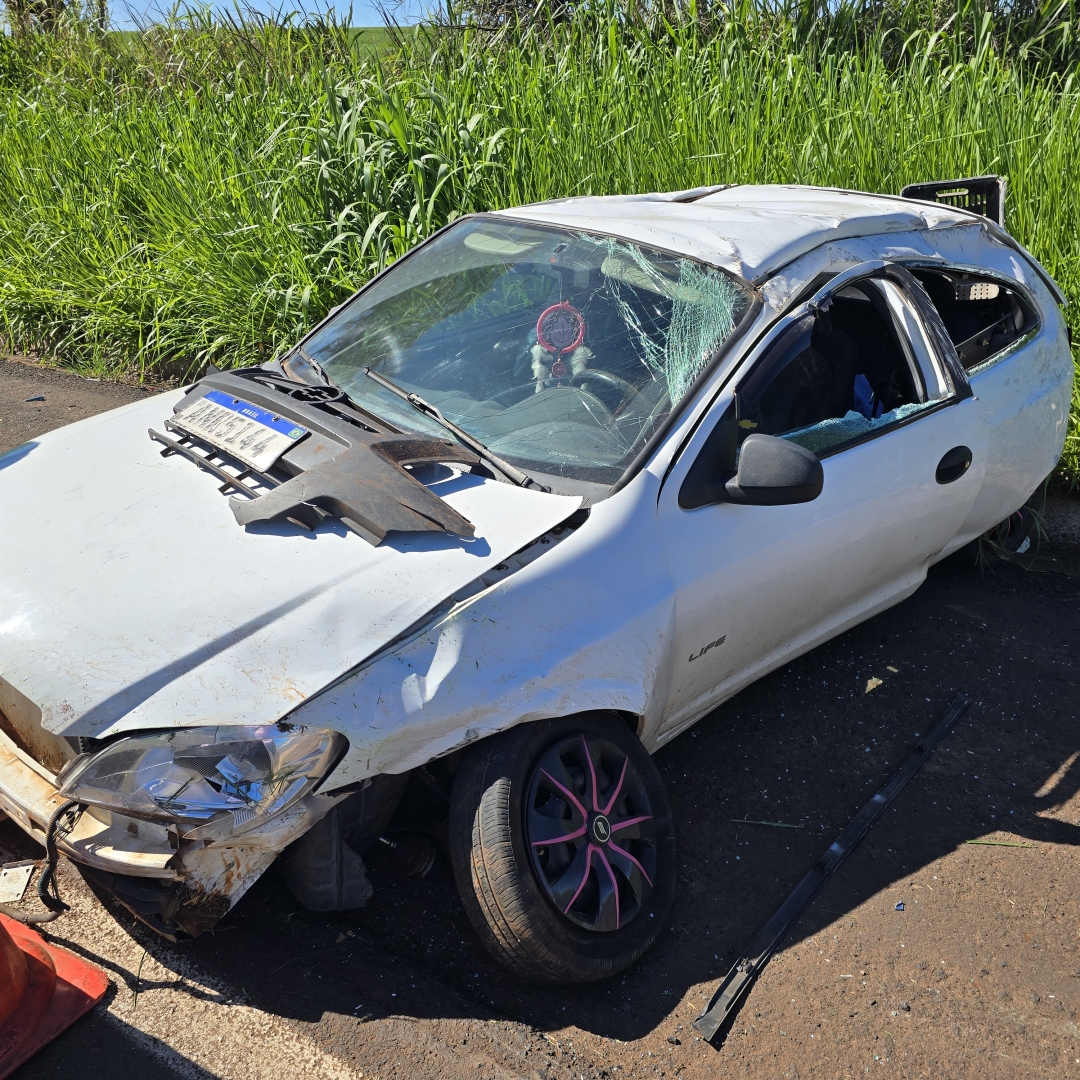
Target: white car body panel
x=1025, y=396
x=609, y=618
x=752, y=231
x=587, y=626
x=130, y=598
x=772, y=581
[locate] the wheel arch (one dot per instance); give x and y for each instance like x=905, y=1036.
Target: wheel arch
x=501, y=877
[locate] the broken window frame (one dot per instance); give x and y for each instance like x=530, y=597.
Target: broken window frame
x=911, y=336
x=938, y=382
x=989, y=276
x=717, y=455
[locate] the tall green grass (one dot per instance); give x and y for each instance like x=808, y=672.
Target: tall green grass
x=205, y=192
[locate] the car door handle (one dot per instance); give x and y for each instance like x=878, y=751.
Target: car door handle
x=953, y=465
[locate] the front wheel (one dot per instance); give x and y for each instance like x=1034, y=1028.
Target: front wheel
x=563, y=847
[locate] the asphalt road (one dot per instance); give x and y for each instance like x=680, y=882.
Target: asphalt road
x=977, y=976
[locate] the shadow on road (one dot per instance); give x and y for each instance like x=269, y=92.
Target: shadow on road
x=805, y=746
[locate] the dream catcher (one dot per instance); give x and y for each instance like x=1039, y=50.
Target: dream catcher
x=560, y=331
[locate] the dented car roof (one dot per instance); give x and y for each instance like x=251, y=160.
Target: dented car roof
x=750, y=230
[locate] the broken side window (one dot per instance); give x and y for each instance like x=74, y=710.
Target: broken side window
x=982, y=315
x=850, y=373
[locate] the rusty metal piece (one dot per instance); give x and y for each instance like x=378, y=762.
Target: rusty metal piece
x=20, y=721
x=345, y=468
x=198, y=911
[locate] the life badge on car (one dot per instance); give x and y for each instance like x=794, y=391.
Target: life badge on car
x=712, y=645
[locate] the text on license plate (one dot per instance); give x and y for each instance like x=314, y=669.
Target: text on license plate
x=251, y=434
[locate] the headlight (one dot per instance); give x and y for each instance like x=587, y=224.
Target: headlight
x=213, y=781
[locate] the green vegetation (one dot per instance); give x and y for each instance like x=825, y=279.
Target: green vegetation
x=201, y=192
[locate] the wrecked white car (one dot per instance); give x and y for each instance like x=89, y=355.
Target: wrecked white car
x=531, y=503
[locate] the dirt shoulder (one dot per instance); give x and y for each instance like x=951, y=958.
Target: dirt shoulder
x=35, y=399
x=977, y=976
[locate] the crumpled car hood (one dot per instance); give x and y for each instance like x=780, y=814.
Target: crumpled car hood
x=130, y=598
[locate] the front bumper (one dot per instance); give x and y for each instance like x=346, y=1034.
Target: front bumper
x=170, y=884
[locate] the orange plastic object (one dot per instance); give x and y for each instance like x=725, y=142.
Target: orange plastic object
x=43, y=991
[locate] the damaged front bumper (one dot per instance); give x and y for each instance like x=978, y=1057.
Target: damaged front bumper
x=171, y=884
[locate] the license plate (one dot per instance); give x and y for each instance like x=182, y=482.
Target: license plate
x=251, y=434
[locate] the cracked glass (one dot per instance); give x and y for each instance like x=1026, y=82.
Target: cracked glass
x=562, y=351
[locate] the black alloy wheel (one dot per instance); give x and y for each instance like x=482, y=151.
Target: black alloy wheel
x=563, y=847
x=591, y=832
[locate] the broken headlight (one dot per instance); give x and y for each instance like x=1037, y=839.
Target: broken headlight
x=211, y=782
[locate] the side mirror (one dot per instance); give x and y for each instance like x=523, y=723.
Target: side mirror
x=775, y=472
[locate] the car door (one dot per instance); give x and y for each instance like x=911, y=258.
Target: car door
x=1012, y=341
x=862, y=375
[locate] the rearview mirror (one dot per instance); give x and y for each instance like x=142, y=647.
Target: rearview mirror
x=775, y=472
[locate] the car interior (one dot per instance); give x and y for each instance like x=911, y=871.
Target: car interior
x=459, y=323
x=982, y=316
x=850, y=376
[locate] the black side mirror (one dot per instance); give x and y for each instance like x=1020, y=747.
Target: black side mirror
x=771, y=471
x=775, y=472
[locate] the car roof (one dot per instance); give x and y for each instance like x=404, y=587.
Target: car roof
x=751, y=230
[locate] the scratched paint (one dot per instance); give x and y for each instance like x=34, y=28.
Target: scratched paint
x=564, y=635
x=131, y=600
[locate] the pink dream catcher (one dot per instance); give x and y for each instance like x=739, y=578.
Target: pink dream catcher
x=559, y=331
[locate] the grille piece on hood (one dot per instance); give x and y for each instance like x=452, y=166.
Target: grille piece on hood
x=367, y=487
x=344, y=469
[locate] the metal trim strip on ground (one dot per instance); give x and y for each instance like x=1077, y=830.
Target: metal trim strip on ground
x=739, y=979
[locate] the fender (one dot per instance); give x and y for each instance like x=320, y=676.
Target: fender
x=587, y=626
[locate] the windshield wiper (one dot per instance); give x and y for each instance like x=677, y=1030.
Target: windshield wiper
x=514, y=475
x=292, y=381
x=295, y=371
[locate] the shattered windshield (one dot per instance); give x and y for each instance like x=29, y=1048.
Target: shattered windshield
x=562, y=351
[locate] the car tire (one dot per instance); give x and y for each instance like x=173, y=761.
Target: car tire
x=516, y=797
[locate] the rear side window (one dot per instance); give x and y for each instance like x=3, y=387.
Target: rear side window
x=982, y=315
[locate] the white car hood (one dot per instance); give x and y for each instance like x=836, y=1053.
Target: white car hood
x=130, y=598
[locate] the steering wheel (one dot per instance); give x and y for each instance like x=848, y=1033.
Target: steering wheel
x=618, y=389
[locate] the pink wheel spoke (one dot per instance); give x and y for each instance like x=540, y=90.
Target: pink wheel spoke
x=618, y=788
x=569, y=878
x=592, y=773
x=631, y=821
x=584, y=878
x=626, y=855
x=568, y=793
x=560, y=839
x=614, y=884
x=590, y=880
